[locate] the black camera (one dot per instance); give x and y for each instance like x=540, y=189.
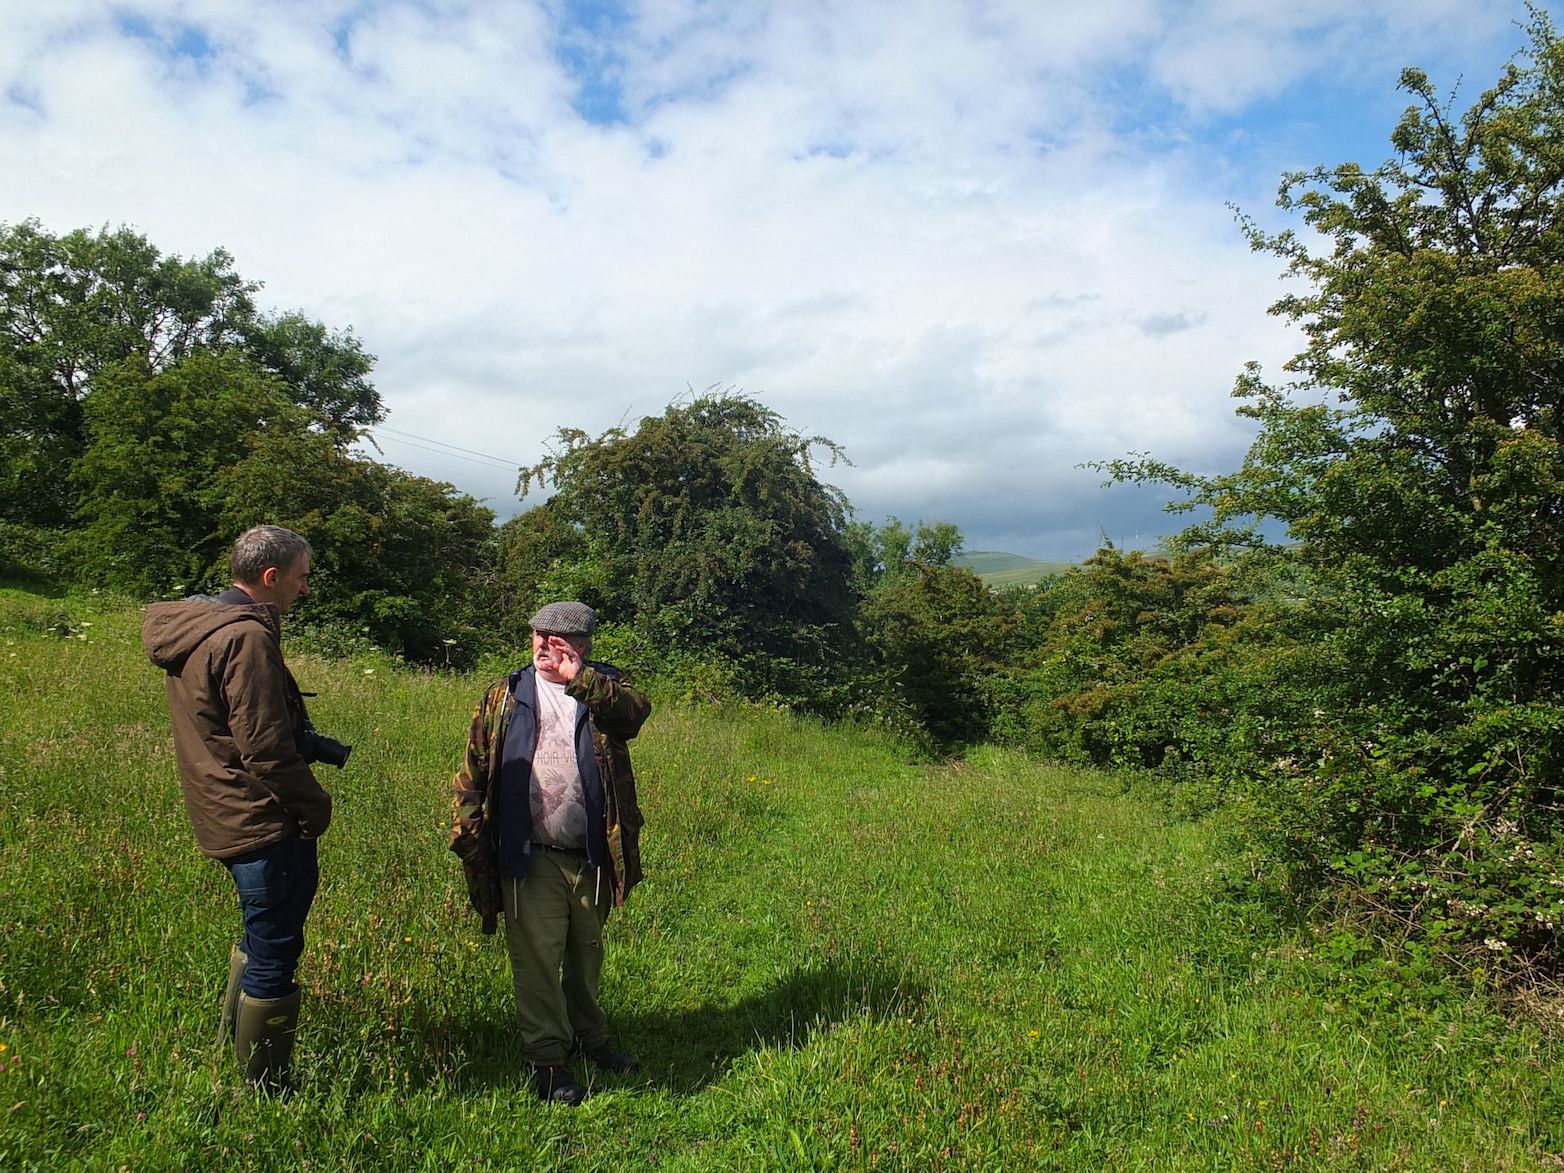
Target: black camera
x=317, y=747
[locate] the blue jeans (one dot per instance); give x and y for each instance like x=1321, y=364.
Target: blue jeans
x=276, y=887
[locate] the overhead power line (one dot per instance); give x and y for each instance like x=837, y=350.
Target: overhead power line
x=429, y=444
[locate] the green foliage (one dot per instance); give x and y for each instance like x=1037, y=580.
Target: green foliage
x=400, y=558
x=1424, y=512
x=73, y=306
x=706, y=528
x=157, y=445
x=40, y=435
x=326, y=372
x=530, y=546
x=84, y=312
x=32, y=551
x=884, y=553
x=151, y=413
x=1150, y=661
x=940, y=636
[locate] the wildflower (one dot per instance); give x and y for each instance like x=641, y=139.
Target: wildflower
x=407, y=940
x=1034, y=1034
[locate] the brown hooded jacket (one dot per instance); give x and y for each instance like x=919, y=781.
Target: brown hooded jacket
x=235, y=711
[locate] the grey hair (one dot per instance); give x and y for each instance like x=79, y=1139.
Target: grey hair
x=263, y=546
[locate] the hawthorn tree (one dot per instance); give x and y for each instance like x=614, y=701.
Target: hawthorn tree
x=530, y=545
x=1415, y=460
x=940, y=636
x=707, y=529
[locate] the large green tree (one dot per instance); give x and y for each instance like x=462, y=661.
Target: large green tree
x=73, y=307
x=151, y=411
x=1416, y=463
x=707, y=528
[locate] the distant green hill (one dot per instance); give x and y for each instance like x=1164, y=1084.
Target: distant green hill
x=1000, y=570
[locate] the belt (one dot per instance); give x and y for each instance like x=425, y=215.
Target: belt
x=581, y=851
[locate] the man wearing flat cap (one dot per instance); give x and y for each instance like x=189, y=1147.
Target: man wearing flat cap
x=547, y=826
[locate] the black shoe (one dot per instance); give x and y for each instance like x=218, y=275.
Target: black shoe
x=609, y=1059
x=555, y=1085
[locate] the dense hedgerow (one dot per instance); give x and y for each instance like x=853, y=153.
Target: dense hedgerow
x=1389, y=708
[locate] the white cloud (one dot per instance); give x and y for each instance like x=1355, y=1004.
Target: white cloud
x=976, y=244
x=1222, y=54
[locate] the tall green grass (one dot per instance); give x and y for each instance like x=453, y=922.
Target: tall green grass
x=839, y=960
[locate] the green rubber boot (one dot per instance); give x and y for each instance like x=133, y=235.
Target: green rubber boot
x=263, y=1040
x=236, y=963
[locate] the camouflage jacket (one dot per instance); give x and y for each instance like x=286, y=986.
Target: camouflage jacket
x=615, y=712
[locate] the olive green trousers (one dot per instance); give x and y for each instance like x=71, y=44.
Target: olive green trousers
x=554, y=920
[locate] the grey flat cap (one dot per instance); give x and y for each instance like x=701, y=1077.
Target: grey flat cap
x=564, y=619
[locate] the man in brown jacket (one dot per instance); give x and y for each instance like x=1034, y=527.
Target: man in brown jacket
x=240, y=738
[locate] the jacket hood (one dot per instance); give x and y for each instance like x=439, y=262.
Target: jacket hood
x=172, y=631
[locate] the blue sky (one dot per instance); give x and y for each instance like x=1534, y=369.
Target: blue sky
x=976, y=242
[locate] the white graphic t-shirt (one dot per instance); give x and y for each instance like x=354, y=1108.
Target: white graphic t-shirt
x=558, y=807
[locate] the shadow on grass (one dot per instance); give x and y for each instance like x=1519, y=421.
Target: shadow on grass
x=24, y=581
x=684, y=1050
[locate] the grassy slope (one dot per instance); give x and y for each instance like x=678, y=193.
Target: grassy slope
x=838, y=961
x=1002, y=570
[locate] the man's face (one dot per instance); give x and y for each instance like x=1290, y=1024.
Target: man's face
x=545, y=656
x=289, y=585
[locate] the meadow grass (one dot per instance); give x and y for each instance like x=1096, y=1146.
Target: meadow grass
x=839, y=960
